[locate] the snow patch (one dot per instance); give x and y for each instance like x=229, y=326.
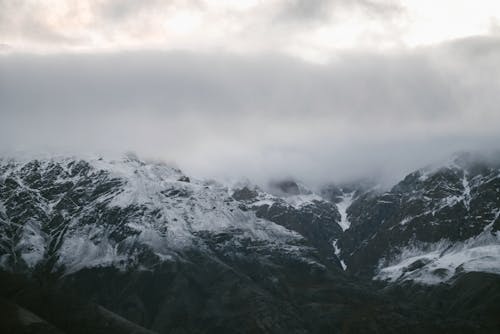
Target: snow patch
x=405, y=221
x=32, y=244
x=438, y=262
x=466, y=194
x=342, y=206
x=336, y=250
x=298, y=201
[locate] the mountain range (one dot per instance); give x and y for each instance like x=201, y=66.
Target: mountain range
x=95, y=245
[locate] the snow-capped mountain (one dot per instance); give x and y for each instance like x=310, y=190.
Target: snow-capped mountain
x=73, y=214
x=436, y=223
x=148, y=245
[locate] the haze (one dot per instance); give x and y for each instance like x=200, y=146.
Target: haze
x=318, y=90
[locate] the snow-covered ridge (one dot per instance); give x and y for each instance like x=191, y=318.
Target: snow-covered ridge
x=299, y=197
x=295, y=201
x=431, y=263
x=434, y=224
x=102, y=212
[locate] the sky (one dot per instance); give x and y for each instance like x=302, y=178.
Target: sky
x=313, y=89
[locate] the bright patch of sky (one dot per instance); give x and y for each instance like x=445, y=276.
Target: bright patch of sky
x=313, y=30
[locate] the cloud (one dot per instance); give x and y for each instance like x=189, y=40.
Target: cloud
x=261, y=116
x=323, y=10
x=302, y=10
x=315, y=30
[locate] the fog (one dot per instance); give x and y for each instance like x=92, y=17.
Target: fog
x=260, y=115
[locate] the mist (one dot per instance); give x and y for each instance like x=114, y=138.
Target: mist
x=258, y=115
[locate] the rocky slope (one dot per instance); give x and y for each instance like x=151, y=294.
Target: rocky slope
x=437, y=222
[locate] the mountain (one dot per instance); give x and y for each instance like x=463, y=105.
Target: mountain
x=134, y=235
x=434, y=224
x=66, y=214
x=139, y=247
x=296, y=208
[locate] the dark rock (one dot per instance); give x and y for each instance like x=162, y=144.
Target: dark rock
x=184, y=178
x=244, y=194
x=417, y=264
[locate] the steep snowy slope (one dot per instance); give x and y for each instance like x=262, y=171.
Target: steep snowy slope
x=433, y=225
x=71, y=214
x=293, y=206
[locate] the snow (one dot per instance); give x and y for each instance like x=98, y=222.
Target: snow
x=298, y=201
x=265, y=201
x=78, y=252
x=337, y=253
x=306, y=197
x=32, y=244
x=171, y=215
x=424, y=175
x=466, y=194
x=442, y=260
x=204, y=209
x=464, y=197
x=405, y=221
x=342, y=206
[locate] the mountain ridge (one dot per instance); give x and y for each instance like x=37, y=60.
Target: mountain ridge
x=169, y=252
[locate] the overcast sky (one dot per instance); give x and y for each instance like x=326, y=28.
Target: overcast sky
x=315, y=89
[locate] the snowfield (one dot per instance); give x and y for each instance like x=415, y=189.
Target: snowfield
x=438, y=262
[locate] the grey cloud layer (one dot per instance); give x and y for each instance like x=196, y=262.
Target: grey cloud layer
x=322, y=9
x=222, y=114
